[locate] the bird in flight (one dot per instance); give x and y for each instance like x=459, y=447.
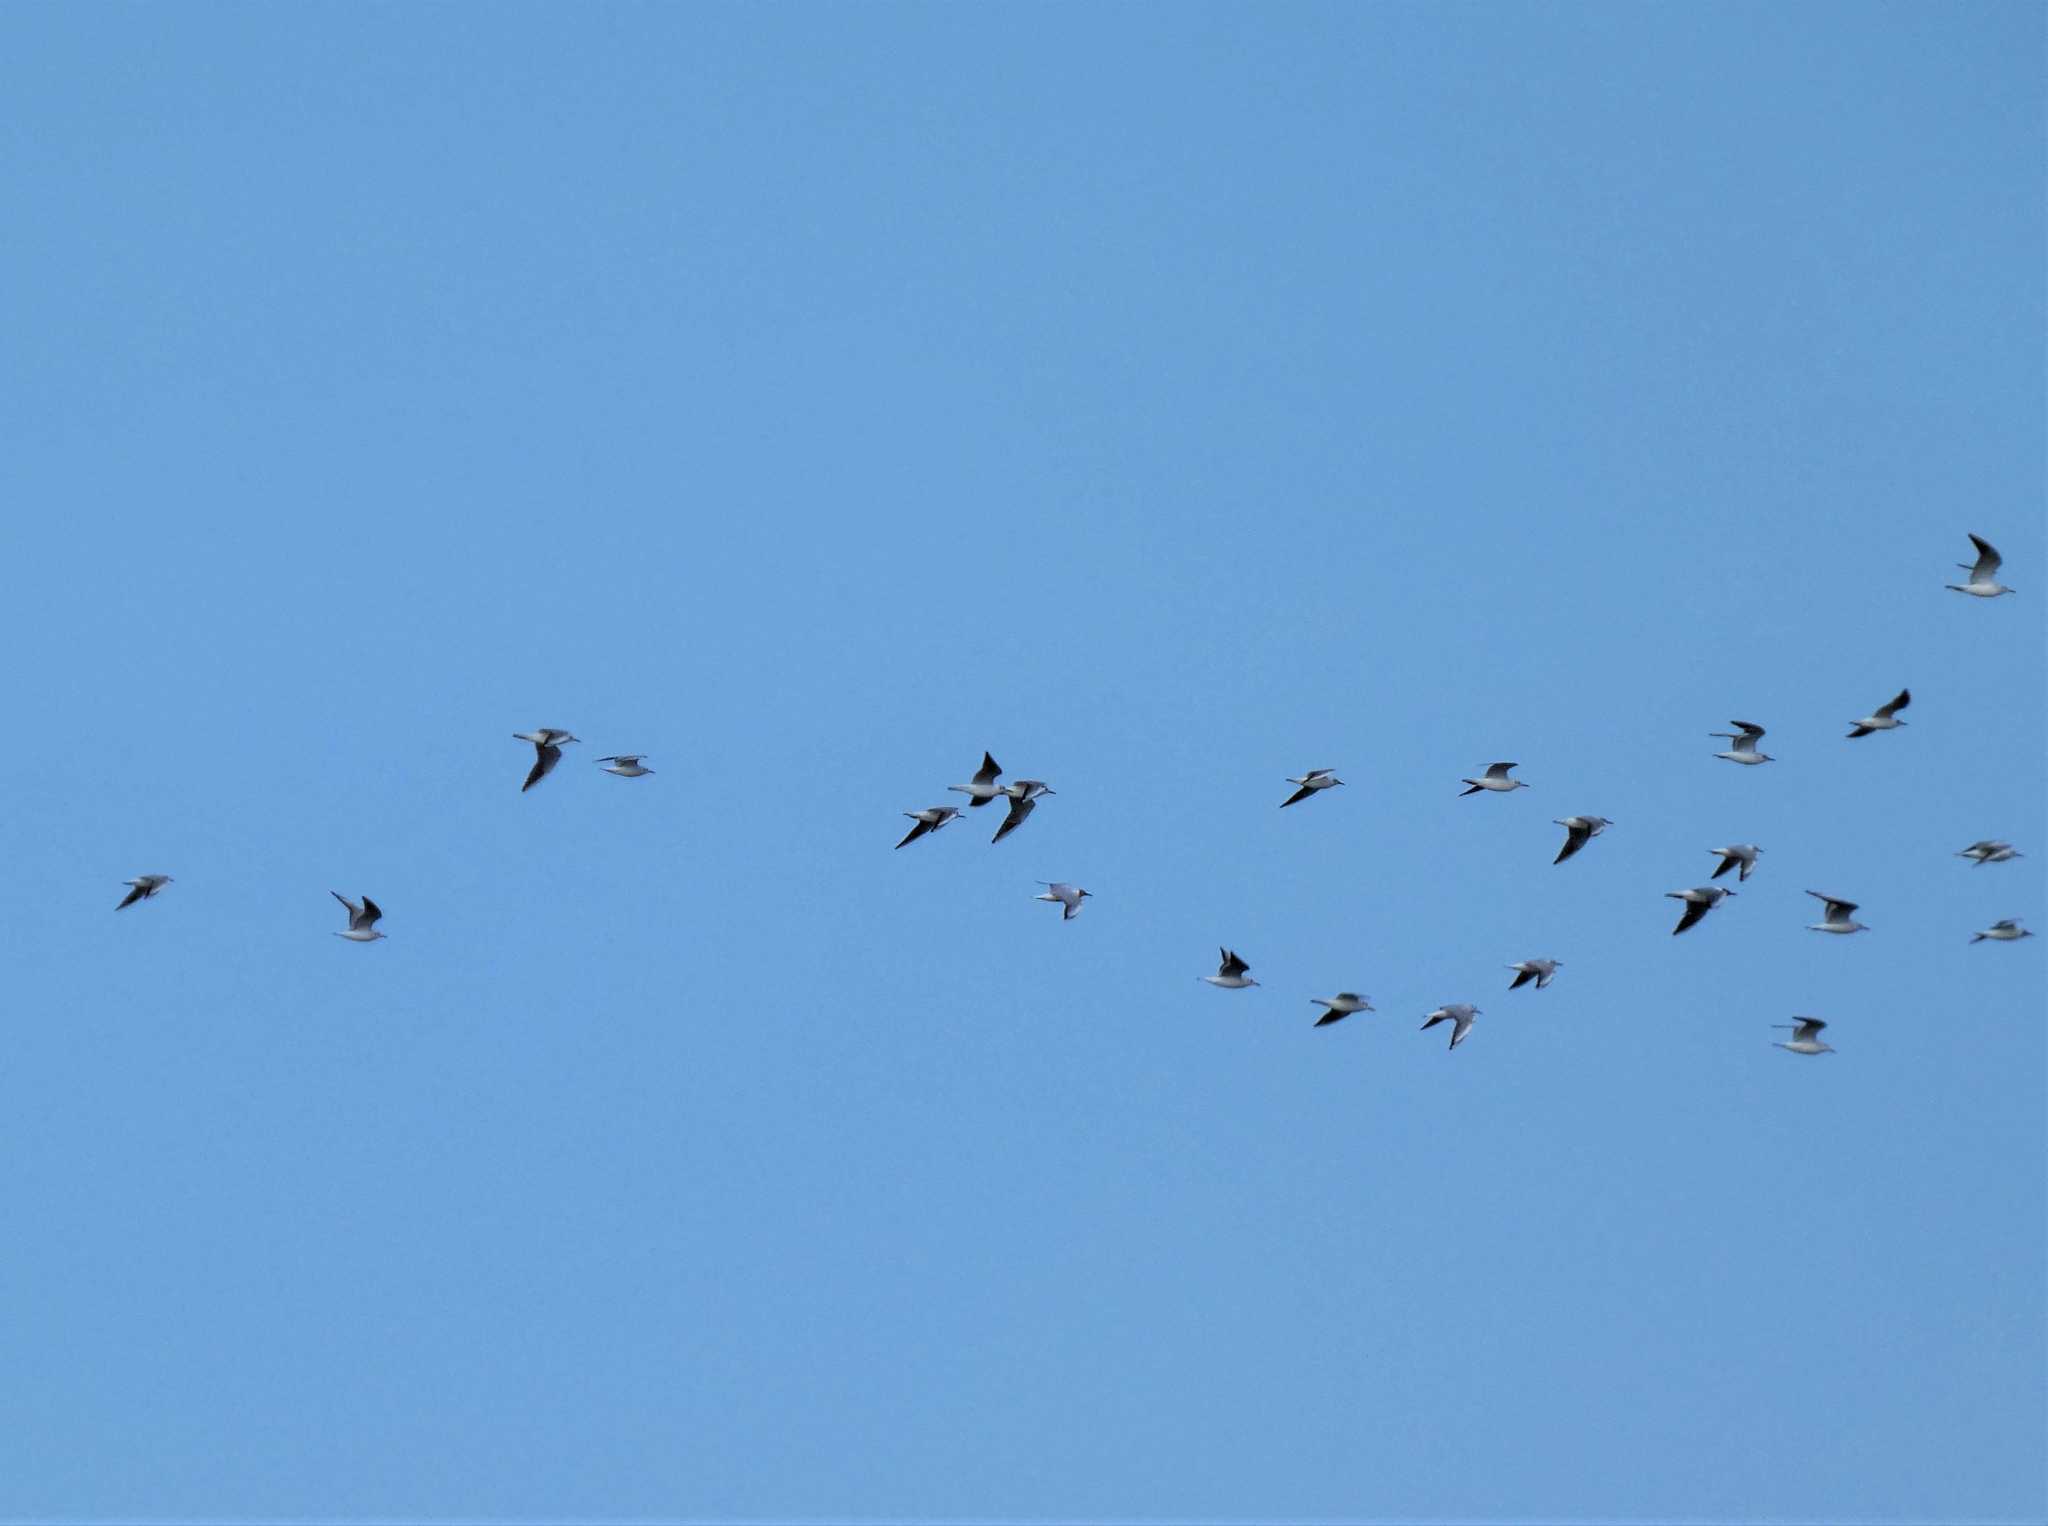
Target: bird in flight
x=547, y=752
x=1983, y=573
x=1495, y=778
x=1700, y=900
x=1068, y=896
x=1805, y=1037
x=1315, y=779
x=1988, y=851
x=1341, y=1006
x=1884, y=717
x=1538, y=970
x=1743, y=853
x=1233, y=974
x=1837, y=917
x=1024, y=796
x=141, y=888
x=929, y=820
x=362, y=920
x=1579, y=830
x=1745, y=736
x=2006, y=931
x=1459, y=1015
x=984, y=788
x=626, y=765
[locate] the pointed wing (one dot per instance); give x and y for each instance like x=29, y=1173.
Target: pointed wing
x=354, y=910
x=986, y=774
x=1522, y=978
x=1070, y=909
x=1019, y=809
x=1301, y=794
x=917, y=831
x=1232, y=965
x=132, y=897
x=1837, y=911
x=1886, y=712
x=1988, y=560
x=1499, y=770
x=1461, y=1027
x=371, y=912
x=1809, y=1028
x=1334, y=1015
x=1694, y=910
x=546, y=756
x=1575, y=839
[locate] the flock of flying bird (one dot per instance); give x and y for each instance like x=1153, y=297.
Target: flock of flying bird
x=1233, y=973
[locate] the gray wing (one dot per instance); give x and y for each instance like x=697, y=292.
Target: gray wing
x=1988, y=560
x=546, y=756
x=1019, y=809
x=1886, y=712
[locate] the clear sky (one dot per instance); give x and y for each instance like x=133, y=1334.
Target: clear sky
x=1168, y=399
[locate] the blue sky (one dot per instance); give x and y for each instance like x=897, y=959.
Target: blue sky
x=1168, y=399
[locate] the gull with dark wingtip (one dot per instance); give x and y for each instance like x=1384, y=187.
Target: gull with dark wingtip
x=141, y=888
x=626, y=765
x=1578, y=831
x=362, y=920
x=548, y=742
x=1068, y=896
x=1459, y=1015
x=1233, y=974
x=1745, y=736
x=1805, y=1036
x=1742, y=853
x=1495, y=778
x=1699, y=900
x=1024, y=797
x=1315, y=779
x=984, y=788
x=1341, y=1006
x=1983, y=572
x=2007, y=930
x=1884, y=717
x=1990, y=851
x=929, y=820
x=1837, y=916
x=1538, y=970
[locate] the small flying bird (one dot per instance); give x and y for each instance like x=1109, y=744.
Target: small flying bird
x=1022, y=805
x=1232, y=974
x=2007, y=931
x=1745, y=736
x=1496, y=779
x=547, y=752
x=142, y=887
x=1315, y=779
x=1743, y=853
x=1341, y=1006
x=626, y=765
x=1578, y=831
x=362, y=920
x=1699, y=900
x=1884, y=717
x=1459, y=1015
x=928, y=821
x=984, y=788
x=1805, y=1037
x=1068, y=896
x=1990, y=852
x=1538, y=970
x=1836, y=918
x=1983, y=573
x=1027, y=789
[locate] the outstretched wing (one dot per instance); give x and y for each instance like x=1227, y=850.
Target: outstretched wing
x=1499, y=770
x=1301, y=794
x=1575, y=839
x=132, y=897
x=1694, y=910
x=1019, y=809
x=1232, y=965
x=1988, y=560
x=1886, y=712
x=370, y=913
x=915, y=832
x=546, y=756
x=986, y=774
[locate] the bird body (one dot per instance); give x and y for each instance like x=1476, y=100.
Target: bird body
x=2005, y=931
x=1884, y=718
x=362, y=920
x=1836, y=918
x=1233, y=974
x=1983, y=572
x=1459, y=1015
x=1745, y=736
x=1312, y=781
x=1068, y=896
x=1495, y=778
x=983, y=788
x=1805, y=1036
x=1740, y=853
x=548, y=742
x=141, y=888
x=1579, y=830
x=1538, y=970
x=928, y=821
x=626, y=765
x=1341, y=1006
x=1990, y=851
x=1699, y=900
